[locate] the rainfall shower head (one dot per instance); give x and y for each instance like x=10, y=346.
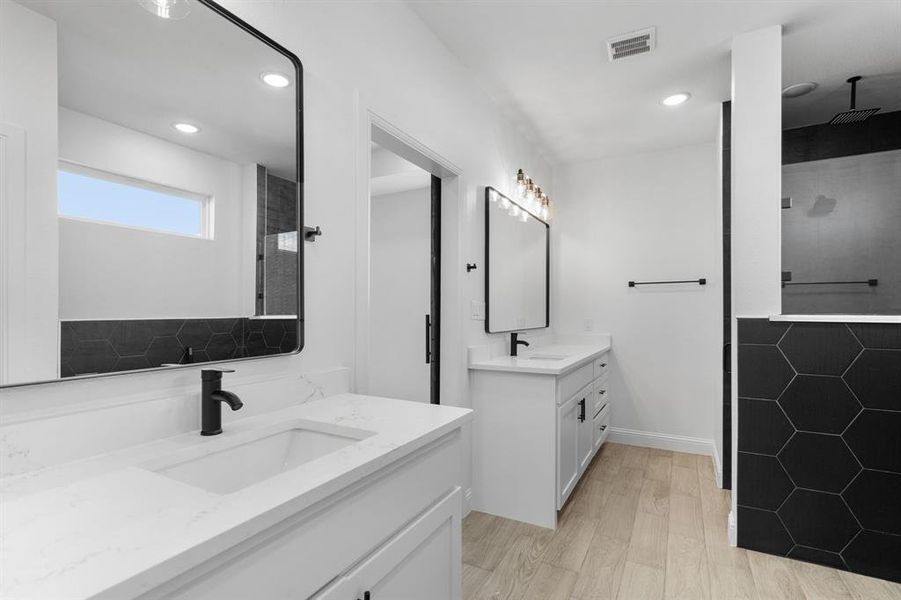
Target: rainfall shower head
x=853, y=115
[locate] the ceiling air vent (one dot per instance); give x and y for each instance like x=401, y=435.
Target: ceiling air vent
x=630, y=44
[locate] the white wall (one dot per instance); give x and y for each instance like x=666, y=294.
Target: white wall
x=647, y=217
x=28, y=90
x=756, y=193
x=389, y=60
x=112, y=272
x=400, y=294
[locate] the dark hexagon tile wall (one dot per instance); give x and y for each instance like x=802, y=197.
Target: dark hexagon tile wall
x=874, y=498
x=820, y=348
x=764, y=429
x=875, y=377
x=838, y=472
x=875, y=439
x=762, y=372
x=819, y=404
x=804, y=513
x=819, y=462
x=89, y=347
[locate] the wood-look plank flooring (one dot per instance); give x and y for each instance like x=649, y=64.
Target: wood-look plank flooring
x=642, y=524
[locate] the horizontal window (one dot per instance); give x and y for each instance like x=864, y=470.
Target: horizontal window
x=102, y=197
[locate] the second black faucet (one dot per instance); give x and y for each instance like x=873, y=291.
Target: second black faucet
x=515, y=342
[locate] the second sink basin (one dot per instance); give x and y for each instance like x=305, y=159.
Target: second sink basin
x=237, y=467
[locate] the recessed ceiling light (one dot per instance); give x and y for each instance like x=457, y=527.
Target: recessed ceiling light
x=186, y=127
x=676, y=99
x=799, y=89
x=276, y=80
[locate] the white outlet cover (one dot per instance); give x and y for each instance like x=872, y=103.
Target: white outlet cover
x=477, y=310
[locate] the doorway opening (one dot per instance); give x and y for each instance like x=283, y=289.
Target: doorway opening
x=404, y=350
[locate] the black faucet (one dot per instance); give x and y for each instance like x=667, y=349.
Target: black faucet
x=212, y=395
x=515, y=343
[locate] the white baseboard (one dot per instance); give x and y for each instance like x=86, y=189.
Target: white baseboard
x=717, y=468
x=662, y=441
x=467, y=501
x=732, y=529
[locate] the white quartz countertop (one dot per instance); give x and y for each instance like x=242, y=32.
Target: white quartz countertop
x=550, y=359
x=110, y=527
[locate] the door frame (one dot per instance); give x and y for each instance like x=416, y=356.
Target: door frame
x=373, y=127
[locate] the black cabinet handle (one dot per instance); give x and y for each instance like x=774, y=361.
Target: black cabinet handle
x=603, y=427
x=366, y=596
x=582, y=409
x=603, y=364
x=428, y=341
x=602, y=392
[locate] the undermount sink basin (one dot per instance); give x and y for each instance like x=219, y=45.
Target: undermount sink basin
x=546, y=357
x=237, y=467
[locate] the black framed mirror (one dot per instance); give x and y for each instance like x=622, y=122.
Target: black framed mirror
x=517, y=266
x=159, y=221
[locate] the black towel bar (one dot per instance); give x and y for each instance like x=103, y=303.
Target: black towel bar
x=701, y=281
x=869, y=282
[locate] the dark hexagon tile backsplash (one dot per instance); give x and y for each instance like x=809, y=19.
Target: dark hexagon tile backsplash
x=819, y=463
x=91, y=347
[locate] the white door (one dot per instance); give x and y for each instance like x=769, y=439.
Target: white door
x=567, y=448
x=423, y=561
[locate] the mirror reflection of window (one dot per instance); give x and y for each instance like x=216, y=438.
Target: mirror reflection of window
x=167, y=207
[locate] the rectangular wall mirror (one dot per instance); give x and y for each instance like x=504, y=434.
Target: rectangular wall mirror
x=517, y=268
x=154, y=217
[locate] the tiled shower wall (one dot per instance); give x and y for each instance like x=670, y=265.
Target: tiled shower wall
x=276, y=261
x=819, y=443
x=88, y=347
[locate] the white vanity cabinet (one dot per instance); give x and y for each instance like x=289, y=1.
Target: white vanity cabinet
x=536, y=429
x=422, y=561
x=396, y=535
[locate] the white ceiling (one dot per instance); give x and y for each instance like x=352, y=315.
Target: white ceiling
x=122, y=64
x=545, y=64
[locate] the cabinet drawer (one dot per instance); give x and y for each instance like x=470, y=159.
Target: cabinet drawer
x=601, y=427
x=569, y=384
x=600, y=395
x=601, y=365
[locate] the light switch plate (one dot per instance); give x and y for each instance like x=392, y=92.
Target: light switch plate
x=477, y=310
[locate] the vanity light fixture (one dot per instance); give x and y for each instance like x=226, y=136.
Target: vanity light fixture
x=276, y=80
x=676, y=99
x=167, y=9
x=186, y=127
x=529, y=194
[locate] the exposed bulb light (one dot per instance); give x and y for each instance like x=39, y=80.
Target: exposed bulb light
x=514, y=210
x=520, y=182
x=523, y=216
x=531, y=198
x=167, y=9
x=186, y=127
x=276, y=80
x=504, y=203
x=676, y=99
